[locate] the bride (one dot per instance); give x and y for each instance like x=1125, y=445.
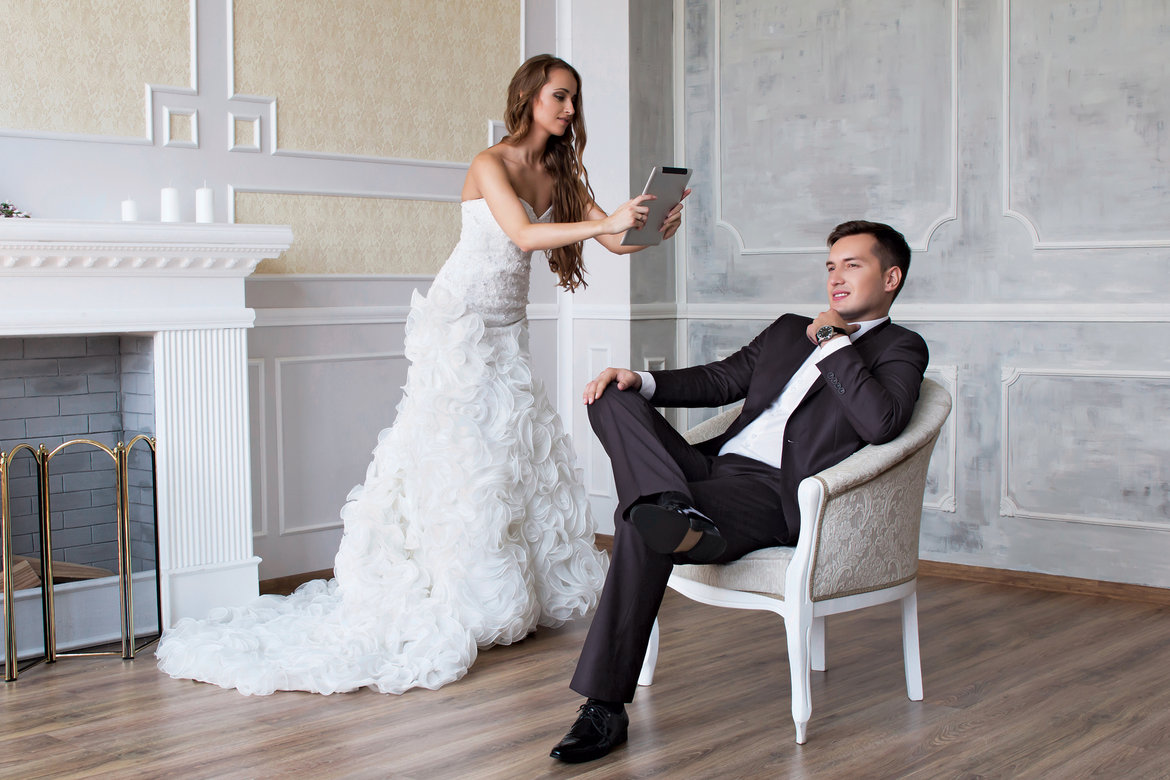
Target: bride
x=472, y=526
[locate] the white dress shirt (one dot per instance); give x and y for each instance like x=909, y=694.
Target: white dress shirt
x=763, y=438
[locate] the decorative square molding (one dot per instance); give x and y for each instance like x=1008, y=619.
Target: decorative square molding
x=243, y=132
x=192, y=118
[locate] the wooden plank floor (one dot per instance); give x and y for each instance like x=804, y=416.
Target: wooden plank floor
x=1019, y=684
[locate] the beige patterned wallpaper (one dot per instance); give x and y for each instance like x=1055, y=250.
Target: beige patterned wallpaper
x=390, y=78
x=70, y=67
x=333, y=235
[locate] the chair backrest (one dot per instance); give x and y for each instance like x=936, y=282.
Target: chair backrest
x=712, y=427
x=866, y=537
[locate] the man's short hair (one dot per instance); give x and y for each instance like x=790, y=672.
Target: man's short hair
x=892, y=248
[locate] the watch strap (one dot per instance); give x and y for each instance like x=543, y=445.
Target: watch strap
x=836, y=331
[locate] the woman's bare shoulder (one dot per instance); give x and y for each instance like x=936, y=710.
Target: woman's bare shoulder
x=493, y=157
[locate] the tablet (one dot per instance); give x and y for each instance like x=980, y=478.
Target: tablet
x=668, y=185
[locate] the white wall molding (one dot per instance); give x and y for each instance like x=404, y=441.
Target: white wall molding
x=278, y=388
x=331, y=315
x=365, y=315
x=948, y=377
x=919, y=243
x=1010, y=506
x=235, y=117
x=128, y=167
x=598, y=475
x=192, y=115
x=1015, y=212
x=1072, y=311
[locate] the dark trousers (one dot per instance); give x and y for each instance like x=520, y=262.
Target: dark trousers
x=739, y=494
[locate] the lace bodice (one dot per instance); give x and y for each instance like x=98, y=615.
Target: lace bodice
x=486, y=270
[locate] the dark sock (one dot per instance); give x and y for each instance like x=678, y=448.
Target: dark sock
x=612, y=706
x=673, y=497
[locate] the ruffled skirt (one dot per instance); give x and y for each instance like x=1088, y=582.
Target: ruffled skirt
x=471, y=529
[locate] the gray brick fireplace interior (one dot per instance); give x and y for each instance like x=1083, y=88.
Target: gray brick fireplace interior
x=55, y=389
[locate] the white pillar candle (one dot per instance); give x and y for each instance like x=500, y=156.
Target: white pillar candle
x=129, y=211
x=204, y=205
x=169, y=206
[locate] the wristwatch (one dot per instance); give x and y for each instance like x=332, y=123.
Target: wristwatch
x=826, y=332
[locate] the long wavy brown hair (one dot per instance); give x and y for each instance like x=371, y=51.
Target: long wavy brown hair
x=572, y=192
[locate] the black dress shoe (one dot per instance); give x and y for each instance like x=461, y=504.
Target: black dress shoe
x=665, y=524
x=597, y=731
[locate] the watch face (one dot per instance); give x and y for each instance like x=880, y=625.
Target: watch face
x=825, y=332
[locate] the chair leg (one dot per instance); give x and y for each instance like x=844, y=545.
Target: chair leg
x=911, y=656
x=817, y=656
x=650, y=662
x=798, y=630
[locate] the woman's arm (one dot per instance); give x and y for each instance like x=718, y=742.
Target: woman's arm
x=491, y=180
x=613, y=243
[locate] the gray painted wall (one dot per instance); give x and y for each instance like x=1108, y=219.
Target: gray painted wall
x=1024, y=149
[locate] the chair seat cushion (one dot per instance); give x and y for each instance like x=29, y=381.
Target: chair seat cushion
x=761, y=571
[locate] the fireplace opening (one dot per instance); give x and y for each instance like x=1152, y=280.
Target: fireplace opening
x=55, y=390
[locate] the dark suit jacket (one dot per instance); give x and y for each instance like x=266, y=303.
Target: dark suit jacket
x=865, y=394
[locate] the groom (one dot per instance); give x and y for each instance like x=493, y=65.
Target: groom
x=814, y=391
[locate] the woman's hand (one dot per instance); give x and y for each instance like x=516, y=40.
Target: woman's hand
x=673, y=218
x=631, y=214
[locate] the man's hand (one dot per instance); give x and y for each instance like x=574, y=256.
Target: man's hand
x=625, y=378
x=828, y=317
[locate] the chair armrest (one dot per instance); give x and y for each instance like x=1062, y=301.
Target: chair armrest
x=864, y=536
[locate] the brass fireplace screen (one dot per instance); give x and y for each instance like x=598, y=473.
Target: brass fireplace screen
x=43, y=458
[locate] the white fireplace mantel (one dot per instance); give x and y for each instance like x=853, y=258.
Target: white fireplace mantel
x=183, y=283
x=62, y=276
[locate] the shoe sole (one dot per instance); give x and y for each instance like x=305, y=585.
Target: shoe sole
x=582, y=758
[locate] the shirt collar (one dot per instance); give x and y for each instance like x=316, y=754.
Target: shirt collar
x=866, y=327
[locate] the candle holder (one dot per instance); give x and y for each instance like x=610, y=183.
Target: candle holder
x=43, y=458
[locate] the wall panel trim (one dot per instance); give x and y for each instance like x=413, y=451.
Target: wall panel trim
x=1007, y=504
x=1033, y=231
x=948, y=376
x=918, y=244
x=278, y=395
x=1027, y=312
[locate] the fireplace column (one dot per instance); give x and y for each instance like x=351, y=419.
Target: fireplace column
x=204, y=481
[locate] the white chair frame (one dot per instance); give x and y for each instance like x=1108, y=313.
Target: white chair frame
x=821, y=497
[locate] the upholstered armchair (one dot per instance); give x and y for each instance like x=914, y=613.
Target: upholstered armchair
x=858, y=548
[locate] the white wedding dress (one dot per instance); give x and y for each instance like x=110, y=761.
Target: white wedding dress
x=471, y=528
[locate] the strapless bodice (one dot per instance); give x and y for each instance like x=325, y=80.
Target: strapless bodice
x=486, y=270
